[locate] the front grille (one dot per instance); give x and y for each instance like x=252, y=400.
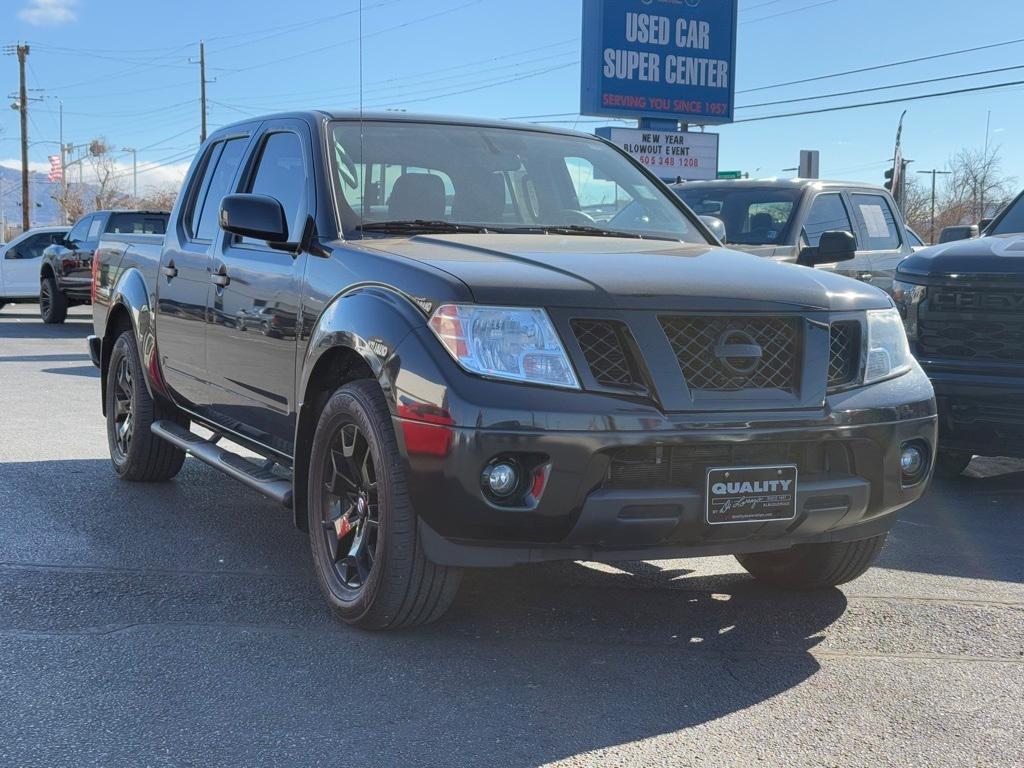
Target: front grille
x=972, y=325
x=694, y=339
x=844, y=353
x=686, y=466
x=602, y=345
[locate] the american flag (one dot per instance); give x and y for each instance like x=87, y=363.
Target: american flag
x=55, y=168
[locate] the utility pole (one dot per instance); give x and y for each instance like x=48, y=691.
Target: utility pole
x=202, y=90
x=135, y=174
x=934, y=172
x=22, y=106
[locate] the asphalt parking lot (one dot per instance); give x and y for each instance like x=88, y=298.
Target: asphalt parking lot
x=180, y=625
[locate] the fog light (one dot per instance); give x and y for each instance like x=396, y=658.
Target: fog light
x=913, y=462
x=501, y=478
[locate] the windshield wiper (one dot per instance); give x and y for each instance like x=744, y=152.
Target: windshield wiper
x=585, y=229
x=415, y=226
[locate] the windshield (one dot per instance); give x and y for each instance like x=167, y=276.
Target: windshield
x=752, y=215
x=1012, y=222
x=473, y=178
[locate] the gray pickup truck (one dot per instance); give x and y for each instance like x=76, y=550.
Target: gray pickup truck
x=784, y=219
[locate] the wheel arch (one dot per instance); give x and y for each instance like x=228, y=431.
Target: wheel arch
x=354, y=338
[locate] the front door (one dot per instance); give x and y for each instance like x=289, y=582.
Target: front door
x=254, y=305
x=829, y=213
x=183, y=280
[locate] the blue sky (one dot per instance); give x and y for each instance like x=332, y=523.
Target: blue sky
x=123, y=71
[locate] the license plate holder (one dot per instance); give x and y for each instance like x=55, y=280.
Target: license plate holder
x=750, y=494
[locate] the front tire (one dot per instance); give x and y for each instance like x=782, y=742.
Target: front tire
x=137, y=454
x=362, y=527
x=53, y=304
x=814, y=566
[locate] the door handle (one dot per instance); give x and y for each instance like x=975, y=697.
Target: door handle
x=865, y=276
x=169, y=271
x=220, y=279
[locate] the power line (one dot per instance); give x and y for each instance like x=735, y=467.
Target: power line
x=881, y=87
x=883, y=66
x=787, y=13
x=881, y=103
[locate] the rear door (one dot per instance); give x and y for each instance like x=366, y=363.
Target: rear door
x=22, y=262
x=253, y=312
x=881, y=240
x=183, y=281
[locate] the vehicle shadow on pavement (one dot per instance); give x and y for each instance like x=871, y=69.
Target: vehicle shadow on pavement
x=16, y=326
x=531, y=665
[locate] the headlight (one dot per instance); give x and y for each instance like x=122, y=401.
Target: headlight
x=888, y=351
x=504, y=342
x=908, y=298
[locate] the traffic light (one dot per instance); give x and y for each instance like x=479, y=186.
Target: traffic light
x=888, y=180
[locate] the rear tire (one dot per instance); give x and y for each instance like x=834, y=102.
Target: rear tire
x=136, y=453
x=952, y=463
x=362, y=528
x=813, y=566
x=53, y=304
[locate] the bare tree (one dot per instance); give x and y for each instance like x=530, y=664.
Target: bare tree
x=159, y=198
x=976, y=187
x=917, y=206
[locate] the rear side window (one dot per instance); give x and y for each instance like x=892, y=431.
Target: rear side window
x=828, y=214
x=138, y=224
x=281, y=174
x=876, y=218
x=80, y=230
x=94, y=230
x=220, y=171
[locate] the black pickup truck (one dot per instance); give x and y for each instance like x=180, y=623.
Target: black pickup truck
x=65, y=274
x=443, y=361
x=963, y=305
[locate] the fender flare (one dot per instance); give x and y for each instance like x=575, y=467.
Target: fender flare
x=369, y=321
x=131, y=293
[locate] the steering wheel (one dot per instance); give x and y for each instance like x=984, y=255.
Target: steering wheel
x=572, y=216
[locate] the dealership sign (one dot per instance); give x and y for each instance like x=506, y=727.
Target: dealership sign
x=672, y=59
x=669, y=155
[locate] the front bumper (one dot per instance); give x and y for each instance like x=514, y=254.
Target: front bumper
x=980, y=413
x=849, y=489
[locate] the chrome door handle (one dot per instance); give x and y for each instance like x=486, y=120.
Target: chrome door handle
x=220, y=279
x=865, y=276
x=169, y=271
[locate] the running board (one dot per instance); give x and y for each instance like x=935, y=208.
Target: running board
x=256, y=476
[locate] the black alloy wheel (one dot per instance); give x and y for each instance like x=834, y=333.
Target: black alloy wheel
x=124, y=420
x=350, y=507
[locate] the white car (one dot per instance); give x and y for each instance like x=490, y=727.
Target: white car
x=20, y=261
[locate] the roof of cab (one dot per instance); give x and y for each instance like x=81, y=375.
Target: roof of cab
x=319, y=115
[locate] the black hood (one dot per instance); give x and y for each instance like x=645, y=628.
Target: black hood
x=620, y=273
x=990, y=257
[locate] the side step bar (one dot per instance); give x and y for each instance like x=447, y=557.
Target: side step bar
x=256, y=476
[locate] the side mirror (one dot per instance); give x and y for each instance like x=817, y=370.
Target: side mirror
x=716, y=225
x=832, y=247
x=965, y=232
x=257, y=216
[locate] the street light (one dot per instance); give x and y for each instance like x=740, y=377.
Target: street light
x=135, y=173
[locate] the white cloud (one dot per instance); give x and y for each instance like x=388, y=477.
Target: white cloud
x=33, y=166
x=49, y=12
x=150, y=178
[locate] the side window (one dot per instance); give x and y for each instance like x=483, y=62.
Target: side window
x=33, y=247
x=94, y=229
x=220, y=170
x=80, y=230
x=281, y=174
x=828, y=213
x=876, y=218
